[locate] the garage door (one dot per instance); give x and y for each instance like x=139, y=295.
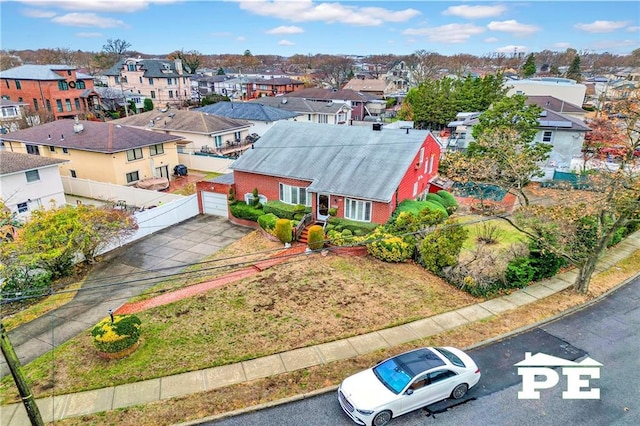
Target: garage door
x=214, y=203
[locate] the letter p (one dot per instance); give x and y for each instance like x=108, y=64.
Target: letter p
x=530, y=385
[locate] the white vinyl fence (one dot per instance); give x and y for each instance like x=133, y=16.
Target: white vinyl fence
x=205, y=164
x=160, y=217
x=109, y=192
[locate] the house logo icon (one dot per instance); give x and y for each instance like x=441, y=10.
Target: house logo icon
x=538, y=373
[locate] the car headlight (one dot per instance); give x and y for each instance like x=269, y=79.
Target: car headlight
x=365, y=412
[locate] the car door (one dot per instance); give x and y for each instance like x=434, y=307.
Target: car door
x=440, y=384
x=415, y=395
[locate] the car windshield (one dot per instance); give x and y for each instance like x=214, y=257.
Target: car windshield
x=392, y=375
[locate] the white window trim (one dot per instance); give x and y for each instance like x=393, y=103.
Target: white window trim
x=284, y=194
x=348, y=214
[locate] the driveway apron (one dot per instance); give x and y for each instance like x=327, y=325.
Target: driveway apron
x=120, y=275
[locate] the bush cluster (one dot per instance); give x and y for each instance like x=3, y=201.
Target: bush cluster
x=388, y=247
x=315, y=237
x=268, y=222
x=284, y=230
x=241, y=210
x=357, y=228
x=286, y=211
x=116, y=336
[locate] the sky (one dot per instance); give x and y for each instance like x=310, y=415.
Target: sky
x=309, y=27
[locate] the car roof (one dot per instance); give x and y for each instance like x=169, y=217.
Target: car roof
x=418, y=361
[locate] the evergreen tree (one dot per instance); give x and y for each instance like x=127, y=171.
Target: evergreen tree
x=529, y=67
x=574, y=69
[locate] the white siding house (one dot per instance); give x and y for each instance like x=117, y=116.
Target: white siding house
x=30, y=182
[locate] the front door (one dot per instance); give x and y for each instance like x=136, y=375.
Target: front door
x=162, y=172
x=322, y=208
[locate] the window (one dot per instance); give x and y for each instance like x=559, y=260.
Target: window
x=35, y=105
x=48, y=105
x=68, y=72
x=32, y=176
x=68, y=104
x=357, y=210
x=431, y=161
x=547, y=137
x=18, y=86
x=65, y=150
x=62, y=85
x=134, y=154
x=153, y=94
x=7, y=83
x=23, y=207
x=169, y=81
x=294, y=195
x=238, y=136
x=156, y=149
x=218, y=141
x=33, y=149
x=150, y=82
x=140, y=78
x=131, y=67
x=133, y=177
x=415, y=189
x=437, y=376
x=453, y=358
x=323, y=118
x=52, y=148
x=80, y=84
x=77, y=102
x=171, y=94
x=59, y=105
x=20, y=99
x=9, y=112
x=73, y=173
x=117, y=79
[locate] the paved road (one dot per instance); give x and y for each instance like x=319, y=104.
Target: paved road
x=608, y=332
x=124, y=273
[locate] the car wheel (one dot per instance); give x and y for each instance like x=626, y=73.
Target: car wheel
x=459, y=391
x=382, y=418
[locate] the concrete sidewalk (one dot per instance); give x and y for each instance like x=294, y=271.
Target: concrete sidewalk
x=71, y=405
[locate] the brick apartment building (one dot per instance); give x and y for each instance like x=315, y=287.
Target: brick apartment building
x=56, y=89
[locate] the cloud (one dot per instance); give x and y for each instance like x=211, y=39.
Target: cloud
x=513, y=27
x=307, y=11
x=562, y=45
x=633, y=29
x=475, y=12
x=286, y=43
x=128, y=6
x=511, y=49
x=601, y=26
x=87, y=20
x=490, y=39
x=89, y=35
x=35, y=13
x=285, y=30
x=450, y=33
x=614, y=45
x=241, y=38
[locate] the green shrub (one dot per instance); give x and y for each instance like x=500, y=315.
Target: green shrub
x=358, y=228
x=388, y=247
x=241, y=210
x=341, y=238
x=315, y=237
x=116, y=336
x=332, y=211
x=441, y=248
x=519, y=272
x=435, y=198
x=255, y=199
x=449, y=200
x=232, y=195
x=298, y=216
x=434, y=206
x=282, y=210
x=545, y=263
x=268, y=222
x=299, y=209
x=284, y=230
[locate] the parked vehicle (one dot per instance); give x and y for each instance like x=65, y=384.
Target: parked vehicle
x=407, y=382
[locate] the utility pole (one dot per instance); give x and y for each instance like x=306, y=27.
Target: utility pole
x=18, y=377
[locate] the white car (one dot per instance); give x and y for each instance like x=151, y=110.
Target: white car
x=406, y=382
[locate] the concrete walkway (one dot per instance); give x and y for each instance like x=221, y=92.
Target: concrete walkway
x=71, y=405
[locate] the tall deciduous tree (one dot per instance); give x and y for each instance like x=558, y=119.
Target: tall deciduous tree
x=191, y=59
x=504, y=151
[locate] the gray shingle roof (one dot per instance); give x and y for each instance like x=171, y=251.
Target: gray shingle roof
x=184, y=121
x=300, y=105
x=95, y=136
x=14, y=162
x=316, y=93
x=35, y=72
x=153, y=68
x=553, y=104
x=248, y=111
x=353, y=161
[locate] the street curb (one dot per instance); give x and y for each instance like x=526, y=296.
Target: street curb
x=322, y=391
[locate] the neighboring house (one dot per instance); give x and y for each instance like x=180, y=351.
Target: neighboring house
x=358, y=102
x=245, y=88
x=364, y=172
x=261, y=116
x=373, y=87
x=59, y=90
x=30, y=182
x=309, y=111
x=563, y=132
x=114, y=99
x=11, y=113
x=205, y=85
x=557, y=105
x=201, y=132
x=103, y=152
x=164, y=81
x=564, y=89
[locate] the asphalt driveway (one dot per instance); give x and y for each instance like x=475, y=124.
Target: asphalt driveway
x=122, y=274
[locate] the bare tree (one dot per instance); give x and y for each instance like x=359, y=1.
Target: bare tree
x=9, y=60
x=118, y=48
x=333, y=70
x=423, y=66
x=191, y=59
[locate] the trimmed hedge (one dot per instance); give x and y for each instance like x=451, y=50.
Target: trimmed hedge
x=285, y=211
x=436, y=198
x=315, y=237
x=268, y=221
x=449, y=200
x=116, y=336
x=357, y=228
x=388, y=247
x=241, y=210
x=284, y=230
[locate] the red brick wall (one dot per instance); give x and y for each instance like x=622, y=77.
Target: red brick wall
x=267, y=185
x=43, y=90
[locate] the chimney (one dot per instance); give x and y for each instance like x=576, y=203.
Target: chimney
x=178, y=64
